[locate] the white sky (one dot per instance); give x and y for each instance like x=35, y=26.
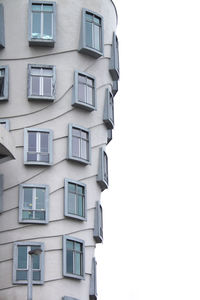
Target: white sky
x=151, y=246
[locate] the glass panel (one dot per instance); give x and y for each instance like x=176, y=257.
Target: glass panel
x=69, y=261
x=31, y=141
x=36, y=7
x=76, y=132
x=36, y=25
x=75, y=147
x=21, y=275
x=97, y=37
x=88, y=34
x=71, y=203
x=77, y=264
x=1, y=86
x=89, y=17
x=77, y=246
x=82, y=78
x=80, y=189
x=84, y=150
x=39, y=215
x=47, y=7
x=44, y=137
x=47, y=26
x=80, y=200
x=22, y=257
x=82, y=92
x=36, y=71
x=70, y=244
x=27, y=215
x=43, y=157
x=97, y=20
x=35, y=259
x=28, y=198
x=36, y=275
x=31, y=156
x=40, y=198
x=2, y=72
x=71, y=187
x=47, y=86
x=90, y=95
x=47, y=72
x=35, y=85
x=90, y=81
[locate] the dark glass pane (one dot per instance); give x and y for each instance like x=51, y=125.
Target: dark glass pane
x=44, y=136
x=31, y=141
x=82, y=78
x=70, y=244
x=90, y=95
x=31, y=156
x=47, y=29
x=71, y=203
x=75, y=147
x=21, y=275
x=77, y=264
x=36, y=7
x=1, y=86
x=97, y=37
x=80, y=206
x=78, y=246
x=47, y=7
x=70, y=261
x=35, y=259
x=35, y=85
x=22, y=257
x=36, y=25
x=82, y=92
x=76, y=132
x=36, y=275
x=84, y=135
x=40, y=198
x=80, y=189
x=89, y=17
x=28, y=198
x=39, y=215
x=27, y=215
x=88, y=34
x=47, y=86
x=97, y=20
x=71, y=187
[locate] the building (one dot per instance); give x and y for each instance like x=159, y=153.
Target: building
x=59, y=72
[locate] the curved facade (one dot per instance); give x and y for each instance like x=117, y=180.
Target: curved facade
x=60, y=86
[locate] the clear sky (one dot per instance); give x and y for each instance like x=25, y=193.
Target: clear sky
x=151, y=246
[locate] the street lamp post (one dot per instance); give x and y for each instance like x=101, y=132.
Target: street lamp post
x=30, y=271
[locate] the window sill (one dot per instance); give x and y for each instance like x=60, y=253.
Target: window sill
x=84, y=106
x=91, y=52
x=40, y=98
x=42, y=42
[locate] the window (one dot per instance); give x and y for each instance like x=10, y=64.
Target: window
x=73, y=257
x=42, y=23
x=21, y=259
x=75, y=199
x=91, y=42
x=102, y=177
x=38, y=146
x=1, y=193
x=3, y=83
x=109, y=135
x=5, y=123
x=41, y=82
x=115, y=88
x=84, y=95
x=93, y=281
x=98, y=223
x=2, y=33
x=33, y=203
x=108, y=116
x=114, y=60
x=79, y=144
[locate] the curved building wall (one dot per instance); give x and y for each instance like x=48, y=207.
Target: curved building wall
x=56, y=116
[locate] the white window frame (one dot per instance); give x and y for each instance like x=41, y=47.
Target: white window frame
x=5, y=89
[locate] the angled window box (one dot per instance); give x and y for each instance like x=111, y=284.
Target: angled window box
x=114, y=60
x=5, y=123
x=93, y=281
x=3, y=83
x=109, y=135
x=115, y=87
x=42, y=23
x=98, y=223
x=108, y=115
x=84, y=92
x=102, y=176
x=2, y=30
x=91, y=39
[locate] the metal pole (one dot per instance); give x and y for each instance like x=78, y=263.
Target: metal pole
x=29, y=292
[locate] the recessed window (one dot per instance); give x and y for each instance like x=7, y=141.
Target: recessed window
x=98, y=223
x=102, y=177
x=93, y=281
x=73, y=257
x=42, y=23
x=38, y=146
x=1, y=193
x=5, y=123
x=75, y=199
x=79, y=144
x=84, y=95
x=21, y=262
x=33, y=203
x=41, y=82
x=114, y=60
x=91, y=34
x=108, y=116
x=2, y=33
x=3, y=82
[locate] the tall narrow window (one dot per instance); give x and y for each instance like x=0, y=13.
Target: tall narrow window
x=20, y=263
x=79, y=144
x=98, y=223
x=41, y=82
x=84, y=95
x=93, y=281
x=2, y=33
x=3, y=82
x=92, y=34
x=108, y=116
x=33, y=203
x=102, y=177
x=114, y=60
x=37, y=146
x=73, y=257
x=42, y=26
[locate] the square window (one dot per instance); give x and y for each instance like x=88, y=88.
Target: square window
x=42, y=23
x=33, y=203
x=98, y=223
x=41, y=82
x=108, y=116
x=114, y=60
x=3, y=83
x=5, y=123
x=75, y=199
x=73, y=257
x=2, y=31
x=102, y=177
x=79, y=144
x=84, y=93
x=91, y=41
x=21, y=262
x=38, y=146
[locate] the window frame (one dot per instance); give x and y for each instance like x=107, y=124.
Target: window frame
x=46, y=203
x=15, y=262
x=50, y=146
x=70, y=148
x=5, y=89
x=108, y=114
x=1, y=192
x=98, y=223
x=93, y=281
x=75, y=100
x=114, y=59
x=65, y=273
x=115, y=87
x=66, y=199
x=83, y=48
x=53, y=82
x=41, y=41
x=2, y=27
x=6, y=122
x=102, y=170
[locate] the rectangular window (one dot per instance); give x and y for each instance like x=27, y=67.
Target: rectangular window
x=21, y=262
x=98, y=223
x=108, y=116
x=73, y=257
x=114, y=60
x=102, y=177
x=2, y=31
x=75, y=199
x=33, y=203
x=84, y=95
x=3, y=82
x=41, y=82
x=91, y=34
x=42, y=23
x=5, y=123
x=79, y=144
x=38, y=146
x=93, y=281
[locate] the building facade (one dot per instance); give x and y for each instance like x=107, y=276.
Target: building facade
x=59, y=74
